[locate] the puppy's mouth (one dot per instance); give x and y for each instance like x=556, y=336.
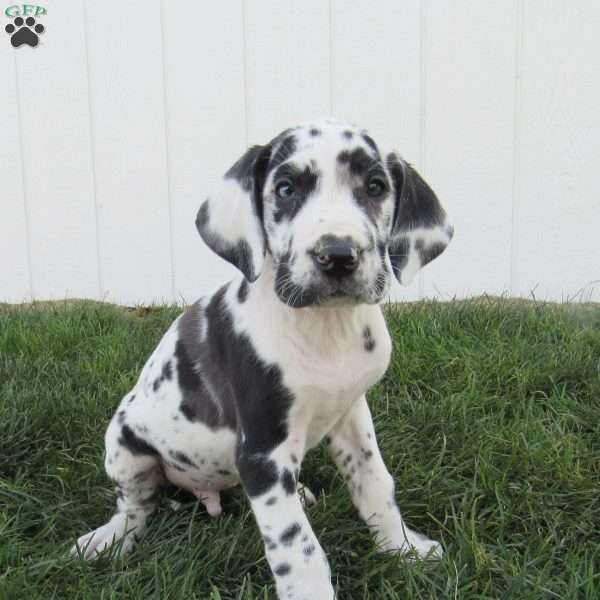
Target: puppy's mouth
x=314, y=295
x=322, y=291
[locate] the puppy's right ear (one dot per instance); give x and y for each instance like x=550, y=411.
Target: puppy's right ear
x=230, y=219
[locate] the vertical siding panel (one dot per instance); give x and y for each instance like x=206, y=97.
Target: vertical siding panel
x=15, y=284
x=376, y=69
x=287, y=65
x=57, y=162
x=163, y=65
x=126, y=80
x=516, y=167
x=558, y=185
x=376, y=77
x=206, y=127
x=469, y=141
x=92, y=155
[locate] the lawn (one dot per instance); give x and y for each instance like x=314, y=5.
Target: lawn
x=488, y=417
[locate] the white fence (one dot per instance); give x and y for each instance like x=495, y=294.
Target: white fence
x=116, y=125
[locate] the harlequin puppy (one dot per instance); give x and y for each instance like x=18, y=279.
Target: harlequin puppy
x=249, y=379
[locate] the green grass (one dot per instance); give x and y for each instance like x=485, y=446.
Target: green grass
x=488, y=417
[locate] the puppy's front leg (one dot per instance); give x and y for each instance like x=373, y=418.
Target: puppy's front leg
x=297, y=561
x=355, y=451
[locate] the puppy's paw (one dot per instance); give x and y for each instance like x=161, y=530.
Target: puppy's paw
x=114, y=533
x=306, y=496
x=414, y=545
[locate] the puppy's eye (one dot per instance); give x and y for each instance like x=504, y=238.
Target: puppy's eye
x=284, y=189
x=376, y=186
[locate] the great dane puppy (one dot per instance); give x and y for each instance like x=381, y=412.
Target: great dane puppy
x=250, y=378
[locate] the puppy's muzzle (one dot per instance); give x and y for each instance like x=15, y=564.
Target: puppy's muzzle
x=336, y=256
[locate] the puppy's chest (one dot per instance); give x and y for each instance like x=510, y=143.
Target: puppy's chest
x=326, y=383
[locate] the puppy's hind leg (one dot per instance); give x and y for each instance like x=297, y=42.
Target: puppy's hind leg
x=134, y=466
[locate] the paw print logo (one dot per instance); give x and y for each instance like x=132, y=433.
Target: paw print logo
x=24, y=32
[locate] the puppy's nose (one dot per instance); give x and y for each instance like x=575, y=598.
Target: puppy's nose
x=336, y=256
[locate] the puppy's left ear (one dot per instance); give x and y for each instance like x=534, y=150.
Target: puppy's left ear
x=420, y=230
x=230, y=219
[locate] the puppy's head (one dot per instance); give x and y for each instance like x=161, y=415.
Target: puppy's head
x=337, y=214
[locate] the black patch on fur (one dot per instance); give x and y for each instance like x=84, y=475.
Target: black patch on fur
x=257, y=472
x=347, y=460
x=198, y=404
x=369, y=342
x=289, y=534
x=156, y=384
x=225, y=383
x=288, y=482
x=249, y=172
x=363, y=166
x=249, y=389
x=136, y=445
x=357, y=161
x=242, y=294
x=188, y=342
x=240, y=255
x=272, y=500
x=202, y=216
x=305, y=183
x=283, y=150
x=348, y=134
x=399, y=254
x=167, y=371
x=282, y=569
x=371, y=143
x=315, y=132
x=121, y=417
x=183, y=458
x=308, y=550
x=269, y=543
x=367, y=454
x=427, y=254
x=224, y=472
x=242, y=170
x=288, y=292
x=416, y=203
